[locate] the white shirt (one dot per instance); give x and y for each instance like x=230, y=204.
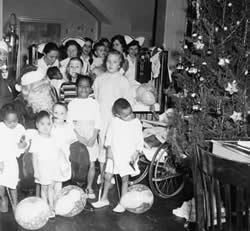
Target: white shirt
x=109, y=87
x=124, y=138
x=85, y=113
x=9, y=140
x=131, y=72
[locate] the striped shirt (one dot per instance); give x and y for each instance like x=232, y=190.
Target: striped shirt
x=68, y=92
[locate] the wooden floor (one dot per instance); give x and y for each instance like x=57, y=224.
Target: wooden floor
x=158, y=218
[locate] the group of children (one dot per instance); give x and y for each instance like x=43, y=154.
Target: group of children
x=99, y=116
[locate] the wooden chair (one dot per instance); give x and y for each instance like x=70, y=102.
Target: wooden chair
x=221, y=189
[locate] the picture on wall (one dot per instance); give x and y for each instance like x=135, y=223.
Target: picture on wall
x=35, y=31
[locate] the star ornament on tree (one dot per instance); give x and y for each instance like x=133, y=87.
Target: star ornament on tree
x=199, y=45
x=232, y=87
x=223, y=61
x=236, y=116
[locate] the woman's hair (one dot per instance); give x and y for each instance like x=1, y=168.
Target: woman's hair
x=50, y=47
x=115, y=52
x=98, y=44
x=73, y=43
x=121, y=39
x=119, y=105
x=75, y=59
x=42, y=114
x=87, y=39
x=72, y=59
x=85, y=78
x=133, y=43
x=7, y=109
x=104, y=40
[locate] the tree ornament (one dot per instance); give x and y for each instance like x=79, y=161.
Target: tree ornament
x=232, y=87
x=236, y=116
x=216, y=29
x=180, y=65
x=223, y=61
x=204, y=63
x=199, y=45
x=194, y=34
x=209, y=51
x=225, y=28
x=238, y=23
x=185, y=46
x=200, y=37
x=192, y=69
x=229, y=4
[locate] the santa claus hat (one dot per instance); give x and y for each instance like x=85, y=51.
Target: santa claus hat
x=32, y=77
x=3, y=45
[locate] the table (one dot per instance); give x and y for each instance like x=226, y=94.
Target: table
x=232, y=150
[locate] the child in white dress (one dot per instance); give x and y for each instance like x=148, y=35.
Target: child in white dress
x=64, y=135
x=45, y=159
x=124, y=141
x=109, y=87
x=12, y=145
x=84, y=112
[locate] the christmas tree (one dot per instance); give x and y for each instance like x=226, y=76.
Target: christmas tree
x=211, y=85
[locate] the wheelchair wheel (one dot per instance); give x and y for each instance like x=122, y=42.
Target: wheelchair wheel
x=143, y=165
x=164, y=180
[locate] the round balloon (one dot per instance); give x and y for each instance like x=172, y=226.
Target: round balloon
x=148, y=98
x=32, y=213
x=70, y=201
x=138, y=199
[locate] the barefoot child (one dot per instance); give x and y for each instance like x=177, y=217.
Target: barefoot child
x=84, y=112
x=45, y=159
x=124, y=141
x=64, y=136
x=12, y=145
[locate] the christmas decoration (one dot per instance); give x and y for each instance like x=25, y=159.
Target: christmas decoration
x=214, y=85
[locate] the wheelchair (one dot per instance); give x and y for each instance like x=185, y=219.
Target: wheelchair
x=158, y=164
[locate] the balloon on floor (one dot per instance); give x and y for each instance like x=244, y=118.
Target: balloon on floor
x=70, y=201
x=32, y=213
x=138, y=199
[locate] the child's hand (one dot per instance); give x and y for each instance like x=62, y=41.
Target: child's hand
x=81, y=139
x=91, y=141
x=22, y=143
x=134, y=157
x=1, y=167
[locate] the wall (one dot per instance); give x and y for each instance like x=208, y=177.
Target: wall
x=73, y=19
x=132, y=17
x=171, y=26
x=1, y=21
